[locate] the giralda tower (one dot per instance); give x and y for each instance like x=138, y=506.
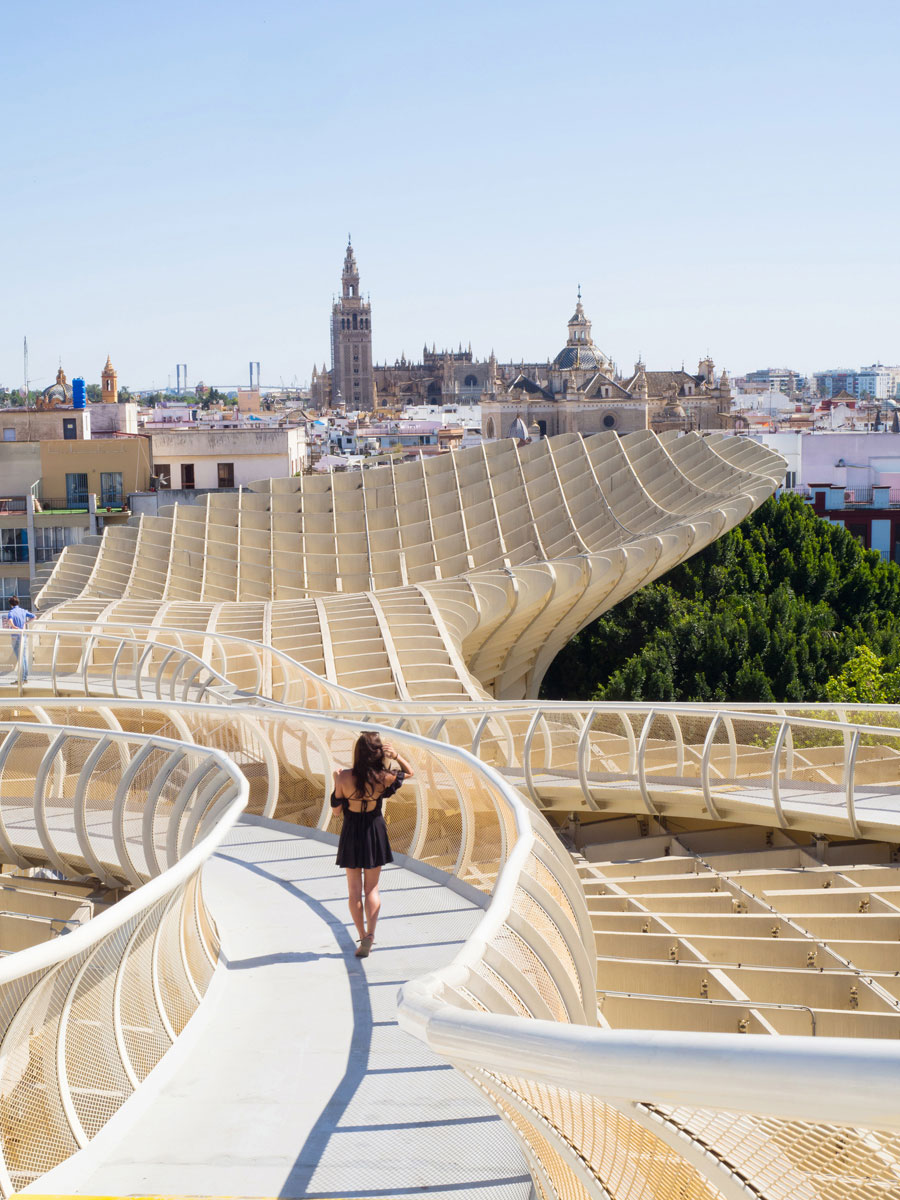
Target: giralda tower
x=351, y=341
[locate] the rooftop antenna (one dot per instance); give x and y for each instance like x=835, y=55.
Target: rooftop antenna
x=26, y=370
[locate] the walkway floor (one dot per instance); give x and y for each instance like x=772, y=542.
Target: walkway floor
x=294, y=1078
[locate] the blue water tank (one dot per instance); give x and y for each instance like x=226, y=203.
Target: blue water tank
x=79, y=393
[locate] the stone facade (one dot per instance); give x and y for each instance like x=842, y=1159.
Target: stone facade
x=582, y=392
x=441, y=377
x=351, y=342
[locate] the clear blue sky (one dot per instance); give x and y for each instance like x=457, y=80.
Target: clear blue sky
x=179, y=179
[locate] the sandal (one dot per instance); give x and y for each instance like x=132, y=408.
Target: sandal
x=365, y=945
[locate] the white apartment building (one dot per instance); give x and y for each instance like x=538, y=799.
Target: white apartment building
x=194, y=457
x=846, y=459
x=879, y=381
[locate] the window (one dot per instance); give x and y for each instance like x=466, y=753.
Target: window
x=163, y=473
x=50, y=540
x=11, y=586
x=70, y=429
x=9, y=433
x=471, y=381
x=14, y=545
x=226, y=474
x=76, y=489
x=609, y=421
x=111, y=489
x=187, y=476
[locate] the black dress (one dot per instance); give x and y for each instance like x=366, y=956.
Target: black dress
x=364, y=839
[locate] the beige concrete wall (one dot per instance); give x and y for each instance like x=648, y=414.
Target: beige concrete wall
x=30, y=425
x=248, y=400
x=130, y=456
x=113, y=418
x=20, y=467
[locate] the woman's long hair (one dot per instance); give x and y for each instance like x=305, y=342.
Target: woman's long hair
x=368, y=763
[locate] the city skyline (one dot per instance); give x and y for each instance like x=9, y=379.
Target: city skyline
x=180, y=187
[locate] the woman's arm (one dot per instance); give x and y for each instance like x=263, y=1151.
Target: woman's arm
x=404, y=764
x=336, y=795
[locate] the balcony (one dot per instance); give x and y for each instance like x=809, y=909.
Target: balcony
x=853, y=497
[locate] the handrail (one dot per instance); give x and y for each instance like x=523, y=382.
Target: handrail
x=42, y=956
x=356, y=704
x=76, y=968
x=830, y=1078
x=30, y=641
x=806, y=815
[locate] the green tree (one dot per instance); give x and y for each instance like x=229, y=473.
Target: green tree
x=863, y=680
x=771, y=611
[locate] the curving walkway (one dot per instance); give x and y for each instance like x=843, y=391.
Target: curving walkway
x=337, y=1100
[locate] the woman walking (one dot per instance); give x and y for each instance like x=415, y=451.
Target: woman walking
x=377, y=771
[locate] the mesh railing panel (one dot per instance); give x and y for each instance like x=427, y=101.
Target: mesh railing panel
x=82, y=1029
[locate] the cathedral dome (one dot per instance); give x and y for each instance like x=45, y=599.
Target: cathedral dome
x=579, y=352
x=583, y=357
x=57, y=393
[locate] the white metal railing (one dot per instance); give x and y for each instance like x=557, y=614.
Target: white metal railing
x=731, y=777
x=233, y=663
x=502, y=1009
x=97, y=662
x=781, y=764
x=85, y=1016
x=656, y=758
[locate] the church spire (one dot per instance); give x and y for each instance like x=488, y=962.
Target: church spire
x=579, y=326
x=350, y=274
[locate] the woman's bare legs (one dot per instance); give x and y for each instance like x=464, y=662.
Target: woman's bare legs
x=373, y=900
x=355, y=890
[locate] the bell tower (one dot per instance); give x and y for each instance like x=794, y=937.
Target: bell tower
x=109, y=383
x=351, y=341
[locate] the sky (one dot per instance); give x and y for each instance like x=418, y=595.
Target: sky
x=179, y=180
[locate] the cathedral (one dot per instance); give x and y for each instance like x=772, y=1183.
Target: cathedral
x=442, y=376
x=581, y=391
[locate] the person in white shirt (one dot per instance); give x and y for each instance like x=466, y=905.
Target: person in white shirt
x=16, y=620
